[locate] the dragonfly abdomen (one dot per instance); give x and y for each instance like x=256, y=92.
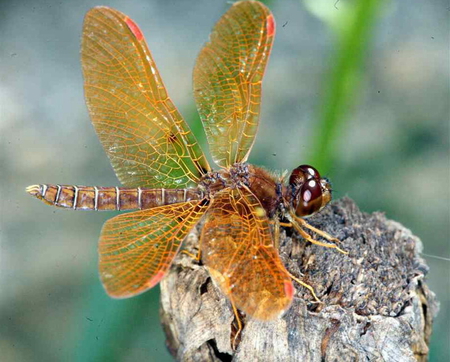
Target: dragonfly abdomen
x=110, y=198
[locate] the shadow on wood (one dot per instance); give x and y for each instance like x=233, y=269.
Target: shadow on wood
x=375, y=303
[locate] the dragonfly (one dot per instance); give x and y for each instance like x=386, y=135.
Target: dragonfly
x=166, y=177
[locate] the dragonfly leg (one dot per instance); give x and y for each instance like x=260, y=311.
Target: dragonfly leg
x=239, y=326
x=299, y=223
x=277, y=223
x=197, y=257
x=277, y=235
x=323, y=234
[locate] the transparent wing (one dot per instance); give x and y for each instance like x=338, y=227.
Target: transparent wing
x=227, y=80
x=238, y=249
x=136, y=249
x=144, y=135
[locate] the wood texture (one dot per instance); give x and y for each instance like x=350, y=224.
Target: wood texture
x=376, y=305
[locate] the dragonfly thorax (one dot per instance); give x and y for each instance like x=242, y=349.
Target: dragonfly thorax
x=267, y=187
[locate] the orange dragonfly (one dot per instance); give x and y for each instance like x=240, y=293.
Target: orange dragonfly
x=166, y=175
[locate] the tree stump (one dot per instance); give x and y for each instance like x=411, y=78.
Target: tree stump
x=376, y=306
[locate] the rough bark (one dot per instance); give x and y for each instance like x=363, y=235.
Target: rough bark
x=376, y=306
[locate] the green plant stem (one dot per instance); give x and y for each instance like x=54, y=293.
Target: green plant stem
x=343, y=82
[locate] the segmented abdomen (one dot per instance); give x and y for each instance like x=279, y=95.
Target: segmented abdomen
x=111, y=198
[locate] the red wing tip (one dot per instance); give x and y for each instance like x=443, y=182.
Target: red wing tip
x=130, y=292
x=156, y=279
x=270, y=25
x=134, y=28
x=289, y=289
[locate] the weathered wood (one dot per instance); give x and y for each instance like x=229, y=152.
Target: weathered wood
x=376, y=305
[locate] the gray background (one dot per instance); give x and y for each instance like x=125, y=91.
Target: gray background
x=392, y=154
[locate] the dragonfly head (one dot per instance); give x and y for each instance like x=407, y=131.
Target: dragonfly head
x=309, y=192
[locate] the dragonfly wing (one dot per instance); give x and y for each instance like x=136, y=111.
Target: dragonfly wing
x=227, y=80
x=238, y=249
x=136, y=249
x=147, y=140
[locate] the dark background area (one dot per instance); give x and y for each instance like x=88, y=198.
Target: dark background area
x=390, y=150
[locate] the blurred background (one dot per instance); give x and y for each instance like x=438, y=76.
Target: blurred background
x=361, y=88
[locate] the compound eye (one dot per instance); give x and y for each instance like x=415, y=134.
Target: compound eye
x=309, y=198
x=303, y=173
x=310, y=171
x=310, y=191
